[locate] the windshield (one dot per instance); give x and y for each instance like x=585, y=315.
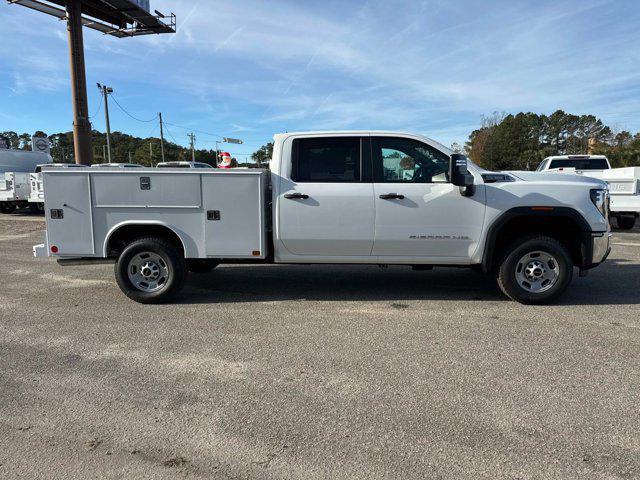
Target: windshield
x=580, y=163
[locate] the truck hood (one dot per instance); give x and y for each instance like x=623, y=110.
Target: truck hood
x=555, y=177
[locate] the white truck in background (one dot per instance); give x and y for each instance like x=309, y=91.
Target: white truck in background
x=15, y=183
x=36, y=188
x=624, y=183
x=14, y=191
x=330, y=197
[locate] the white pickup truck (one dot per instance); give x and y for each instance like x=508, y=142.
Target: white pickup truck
x=330, y=197
x=624, y=183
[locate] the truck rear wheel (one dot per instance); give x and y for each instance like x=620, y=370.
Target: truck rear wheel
x=626, y=222
x=535, y=270
x=150, y=270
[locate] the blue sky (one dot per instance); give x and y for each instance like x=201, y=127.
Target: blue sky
x=249, y=69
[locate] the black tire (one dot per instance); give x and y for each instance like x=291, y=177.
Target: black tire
x=35, y=208
x=201, y=265
x=626, y=222
x=513, y=266
x=6, y=207
x=174, y=266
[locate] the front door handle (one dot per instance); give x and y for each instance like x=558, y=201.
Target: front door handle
x=293, y=196
x=391, y=196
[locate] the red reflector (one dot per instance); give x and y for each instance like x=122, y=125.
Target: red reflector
x=54, y=249
x=542, y=208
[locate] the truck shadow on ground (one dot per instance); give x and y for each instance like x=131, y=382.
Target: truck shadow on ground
x=615, y=282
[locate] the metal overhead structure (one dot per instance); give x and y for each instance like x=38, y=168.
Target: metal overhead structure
x=118, y=18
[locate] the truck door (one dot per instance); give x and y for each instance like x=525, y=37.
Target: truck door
x=325, y=206
x=418, y=212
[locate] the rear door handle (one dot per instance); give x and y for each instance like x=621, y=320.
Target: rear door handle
x=293, y=196
x=391, y=196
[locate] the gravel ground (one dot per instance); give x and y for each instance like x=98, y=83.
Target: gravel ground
x=315, y=372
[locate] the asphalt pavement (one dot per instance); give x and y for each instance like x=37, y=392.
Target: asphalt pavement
x=315, y=372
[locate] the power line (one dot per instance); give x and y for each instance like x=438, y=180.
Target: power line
x=170, y=134
x=194, y=130
x=98, y=109
x=132, y=116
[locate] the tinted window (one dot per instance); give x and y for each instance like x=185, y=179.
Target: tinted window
x=581, y=163
x=398, y=160
x=332, y=159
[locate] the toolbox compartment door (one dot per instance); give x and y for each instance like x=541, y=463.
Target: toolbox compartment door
x=69, y=193
x=234, y=215
x=146, y=189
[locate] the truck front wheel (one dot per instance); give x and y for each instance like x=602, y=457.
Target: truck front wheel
x=535, y=270
x=150, y=270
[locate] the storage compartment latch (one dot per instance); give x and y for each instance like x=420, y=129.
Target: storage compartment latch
x=145, y=183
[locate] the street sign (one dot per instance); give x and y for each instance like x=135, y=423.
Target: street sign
x=231, y=140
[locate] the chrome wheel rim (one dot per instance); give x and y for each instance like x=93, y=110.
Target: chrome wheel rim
x=148, y=272
x=537, y=271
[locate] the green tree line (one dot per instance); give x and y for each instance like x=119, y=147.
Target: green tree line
x=502, y=142
x=523, y=140
x=124, y=148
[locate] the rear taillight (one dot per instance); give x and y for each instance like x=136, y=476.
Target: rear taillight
x=54, y=249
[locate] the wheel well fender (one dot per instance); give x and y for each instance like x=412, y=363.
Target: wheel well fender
x=565, y=224
x=128, y=230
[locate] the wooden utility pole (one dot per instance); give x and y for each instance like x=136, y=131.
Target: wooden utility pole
x=192, y=140
x=81, y=125
x=161, y=137
x=106, y=91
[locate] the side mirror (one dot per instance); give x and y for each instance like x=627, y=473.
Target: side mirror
x=459, y=175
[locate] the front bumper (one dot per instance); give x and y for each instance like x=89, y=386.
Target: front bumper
x=598, y=249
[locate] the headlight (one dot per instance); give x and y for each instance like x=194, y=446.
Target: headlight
x=600, y=198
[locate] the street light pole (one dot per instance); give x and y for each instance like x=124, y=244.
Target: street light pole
x=105, y=91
